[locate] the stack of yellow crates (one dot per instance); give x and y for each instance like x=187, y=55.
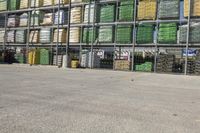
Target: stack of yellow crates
x=147, y=10
x=74, y=34
x=34, y=36
x=195, y=8
x=122, y=65
x=74, y=63
x=36, y=3
x=48, y=2
x=34, y=56
x=62, y=38
x=61, y=2
x=23, y=4
x=76, y=15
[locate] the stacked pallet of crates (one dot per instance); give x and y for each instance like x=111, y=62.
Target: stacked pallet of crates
x=3, y=5
x=36, y=18
x=48, y=3
x=195, y=8
x=191, y=66
x=34, y=36
x=144, y=61
x=124, y=34
x=122, y=60
x=10, y=38
x=61, y=37
x=197, y=64
x=74, y=35
x=165, y=63
x=89, y=35
x=147, y=10
x=145, y=34
x=44, y=57
x=13, y=21
x=86, y=59
x=23, y=20
x=13, y=4
x=2, y=34
x=106, y=34
x=45, y=35
x=193, y=33
x=168, y=9
x=59, y=61
x=36, y=3
x=24, y=4
x=76, y=15
x=89, y=18
x=34, y=56
x=20, y=55
x=167, y=33
x=126, y=10
x=20, y=36
x=47, y=19
x=62, y=15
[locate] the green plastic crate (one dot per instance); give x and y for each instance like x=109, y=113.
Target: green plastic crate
x=88, y=35
x=124, y=34
x=145, y=34
x=126, y=10
x=106, y=34
x=44, y=57
x=13, y=4
x=107, y=13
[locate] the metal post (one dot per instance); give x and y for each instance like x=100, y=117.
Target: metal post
x=58, y=26
x=28, y=31
x=5, y=36
x=188, y=36
x=81, y=36
x=134, y=36
x=68, y=33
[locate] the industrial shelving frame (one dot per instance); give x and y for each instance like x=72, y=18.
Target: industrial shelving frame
x=113, y=45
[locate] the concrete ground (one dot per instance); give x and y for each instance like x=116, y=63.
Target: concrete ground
x=52, y=100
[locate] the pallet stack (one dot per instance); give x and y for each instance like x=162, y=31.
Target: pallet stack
x=106, y=34
x=147, y=10
x=34, y=57
x=36, y=18
x=122, y=65
x=167, y=33
x=165, y=63
x=13, y=21
x=2, y=34
x=24, y=4
x=86, y=60
x=76, y=15
x=144, y=67
x=89, y=18
x=74, y=35
x=23, y=20
x=145, y=34
x=34, y=36
x=126, y=10
x=20, y=36
x=13, y=5
x=61, y=37
x=44, y=57
x=62, y=17
x=107, y=13
x=193, y=34
x=20, y=55
x=45, y=35
x=191, y=66
x=10, y=36
x=3, y=5
x=60, y=58
x=168, y=9
x=89, y=35
x=124, y=34
x=195, y=8
x=48, y=19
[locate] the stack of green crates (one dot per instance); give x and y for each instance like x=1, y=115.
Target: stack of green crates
x=89, y=35
x=124, y=34
x=13, y=4
x=106, y=34
x=44, y=57
x=20, y=58
x=145, y=34
x=126, y=10
x=107, y=13
x=167, y=33
x=3, y=5
x=145, y=67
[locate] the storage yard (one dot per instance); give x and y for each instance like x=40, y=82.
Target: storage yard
x=51, y=100
x=160, y=36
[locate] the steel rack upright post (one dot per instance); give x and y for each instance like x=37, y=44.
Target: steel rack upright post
x=57, y=39
x=28, y=31
x=188, y=36
x=5, y=35
x=68, y=33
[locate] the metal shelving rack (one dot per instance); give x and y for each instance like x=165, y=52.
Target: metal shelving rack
x=114, y=45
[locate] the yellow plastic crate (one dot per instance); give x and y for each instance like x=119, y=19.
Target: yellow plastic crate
x=23, y=4
x=34, y=57
x=195, y=8
x=74, y=64
x=147, y=10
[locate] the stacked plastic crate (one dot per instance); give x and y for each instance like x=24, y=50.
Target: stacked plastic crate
x=107, y=13
x=34, y=36
x=45, y=35
x=89, y=35
x=3, y=5
x=76, y=15
x=13, y=21
x=20, y=36
x=106, y=34
x=74, y=35
x=86, y=60
x=34, y=56
x=13, y=4
x=195, y=8
x=2, y=34
x=10, y=36
x=61, y=37
x=145, y=34
x=147, y=10
x=62, y=16
x=165, y=63
x=193, y=33
x=126, y=10
x=20, y=55
x=167, y=33
x=124, y=34
x=47, y=19
x=168, y=9
x=44, y=57
x=23, y=20
x=89, y=18
x=24, y=4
